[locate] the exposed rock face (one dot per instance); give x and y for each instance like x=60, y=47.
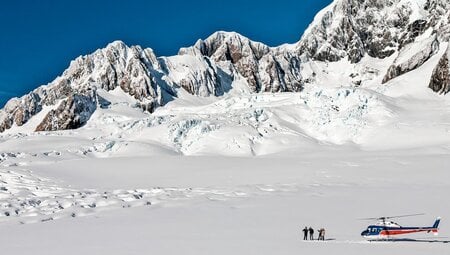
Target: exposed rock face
x=280, y=73
x=412, y=56
x=71, y=113
x=440, y=80
x=265, y=69
x=343, y=31
x=353, y=28
x=198, y=75
x=19, y=111
x=131, y=68
x=206, y=69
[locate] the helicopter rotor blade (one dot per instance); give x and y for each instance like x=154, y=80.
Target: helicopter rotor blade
x=368, y=218
x=392, y=217
x=403, y=216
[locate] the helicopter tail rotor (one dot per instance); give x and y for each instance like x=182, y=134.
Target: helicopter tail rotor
x=436, y=223
x=435, y=227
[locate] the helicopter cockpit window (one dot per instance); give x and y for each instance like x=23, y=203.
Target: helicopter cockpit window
x=373, y=230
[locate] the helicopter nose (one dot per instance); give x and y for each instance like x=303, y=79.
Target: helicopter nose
x=364, y=233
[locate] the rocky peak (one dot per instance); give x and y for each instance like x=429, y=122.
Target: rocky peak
x=264, y=68
x=353, y=28
x=228, y=46
x=118, y=65
x=133, y=69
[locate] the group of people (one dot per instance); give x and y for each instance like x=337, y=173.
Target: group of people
x=310, y=231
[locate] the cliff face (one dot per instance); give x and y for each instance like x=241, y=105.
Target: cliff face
x=130, y=68
x=353, y=29
x=265, y=69
x=440, y=80
x=71, y=113
x=413, y=56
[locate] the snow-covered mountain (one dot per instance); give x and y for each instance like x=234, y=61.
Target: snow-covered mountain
x=353, y=29
x=355, y=114
x=339, y=77
x=153, y=81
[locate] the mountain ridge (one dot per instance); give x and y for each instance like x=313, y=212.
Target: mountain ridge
x=410, y=32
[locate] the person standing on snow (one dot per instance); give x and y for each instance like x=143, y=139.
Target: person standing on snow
x=321, y=234
x=305, y=233
x=311, y=233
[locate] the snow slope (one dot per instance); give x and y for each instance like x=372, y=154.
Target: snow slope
x=223, y=205
x=124, y=183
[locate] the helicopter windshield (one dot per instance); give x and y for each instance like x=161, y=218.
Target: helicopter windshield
x=388, y=224
x=373, y=229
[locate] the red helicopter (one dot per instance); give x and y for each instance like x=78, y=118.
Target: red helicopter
x=384, y=229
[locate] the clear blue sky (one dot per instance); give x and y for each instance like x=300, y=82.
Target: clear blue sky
x=39, y=38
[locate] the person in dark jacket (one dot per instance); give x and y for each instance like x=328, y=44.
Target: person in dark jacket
x=305, y=233
x=311, y=233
